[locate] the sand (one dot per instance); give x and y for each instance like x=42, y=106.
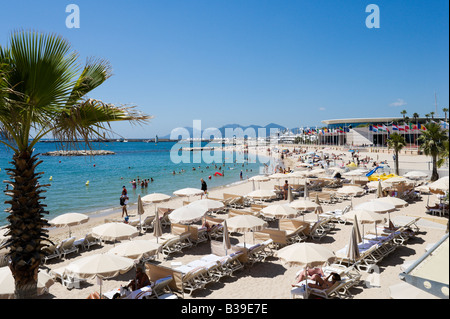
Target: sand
x=269, y=279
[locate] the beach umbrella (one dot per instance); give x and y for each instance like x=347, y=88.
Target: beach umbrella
x=140, y=210
x=187, y=214
x=423, y=189
x=376, y=206
x=136, y=249
x=102, y=266
x=188, y=192
x=114, y=231
x=397, y=202
x=245, y=223
x=306, y=255
x=305, y=192
x=319, y=209
x=350, y=190
x=259, y=179
x=155, y=198
x=364, y=217
x=416, y=175
x=226, y=237
x=303, y=205
x=356, y=225
x=352, y=247
x=7, y=283
x=262, y=194
x=379, y=190
x=398, y=180
x=316, y=171
x=278, y=176
x=279, y=211
x=290, y=197
x=440, y=186
x=69, y=219
x=157, y=229
x=209, y=205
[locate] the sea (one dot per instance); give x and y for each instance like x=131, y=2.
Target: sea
x=93, y=184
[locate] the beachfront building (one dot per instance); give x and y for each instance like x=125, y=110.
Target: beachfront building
x=373, y=131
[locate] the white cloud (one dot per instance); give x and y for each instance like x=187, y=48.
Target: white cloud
x=399, y=102
x=322, y=109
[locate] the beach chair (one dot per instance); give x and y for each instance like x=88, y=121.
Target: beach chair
x=88, y=241
x=171, y=246
x=50, y=252
x=259, y=252
x=318, y=230
x=67, y=246
x=147, y=224
x=68, y=281
x=161, y=289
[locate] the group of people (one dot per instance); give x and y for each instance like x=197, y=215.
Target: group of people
x=318, y=278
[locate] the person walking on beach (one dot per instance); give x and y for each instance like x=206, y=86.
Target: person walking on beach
x=204, y=188
x=240, y=175
x=123, y=203
x=285, y=189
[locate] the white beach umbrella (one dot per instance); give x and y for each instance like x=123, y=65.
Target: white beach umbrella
x=226, y=237
x=69, y=219
x=187, y=214
x=157, y=229
x=114, y=231
x=281, y=211
x=303, y=205
x=278, y=176
x=7, y=283
x=259, y=178
x=352, y=247
x=440, y=186
x=398, y=180
x=103, y=266
x=207, y=204
x=350, y=190
x=317, y=171
x=244, y=223
x=188, y=192
x=416, y=175
x=376, y=206
x=136, y=249
x=364, y=217
x=424, y=189
x=262, y=194
x=397, y=202
x=155, y=198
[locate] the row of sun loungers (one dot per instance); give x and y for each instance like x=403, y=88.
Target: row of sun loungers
x=376, y=247
x=68, y=246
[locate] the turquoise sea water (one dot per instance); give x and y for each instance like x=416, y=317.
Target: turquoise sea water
x=107, y=174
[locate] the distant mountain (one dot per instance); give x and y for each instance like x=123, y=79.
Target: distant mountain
x=229, y=129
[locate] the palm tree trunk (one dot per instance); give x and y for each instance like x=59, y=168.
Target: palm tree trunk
x=26, y=224
x=434, y=174
x=396, y=163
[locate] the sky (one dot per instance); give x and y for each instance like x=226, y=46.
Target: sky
x=290, y=62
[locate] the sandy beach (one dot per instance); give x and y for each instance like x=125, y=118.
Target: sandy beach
x=269, y=279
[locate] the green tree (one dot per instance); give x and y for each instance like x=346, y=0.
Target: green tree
x=396, y=142
x=43, y=92
x=445, y=110
x=433, y=141
x=404, y=114
x=427, y=116
x=432, y=115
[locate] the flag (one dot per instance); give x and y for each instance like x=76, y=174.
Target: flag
x=401, y=128
x=444, y=125
x=370, y=128
x=422, y=127
x=385, y=128
x=415, y=127
x=406, y=127
x=394, y=127
x=375, y=128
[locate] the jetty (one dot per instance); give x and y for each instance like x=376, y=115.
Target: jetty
x=79, y=153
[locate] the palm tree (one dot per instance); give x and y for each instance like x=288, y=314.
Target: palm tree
x=43, y=91
x=427, y=116
x=432, y=115
x=404, y=114
x=433, y=141
x=396, y=142
x=416, y=117
x=445, y=110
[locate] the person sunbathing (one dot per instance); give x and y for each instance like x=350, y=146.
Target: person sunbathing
x=311, y=272
x=324, y=283
x=141, y=280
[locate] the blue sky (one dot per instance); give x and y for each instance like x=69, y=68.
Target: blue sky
x=291, y=62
